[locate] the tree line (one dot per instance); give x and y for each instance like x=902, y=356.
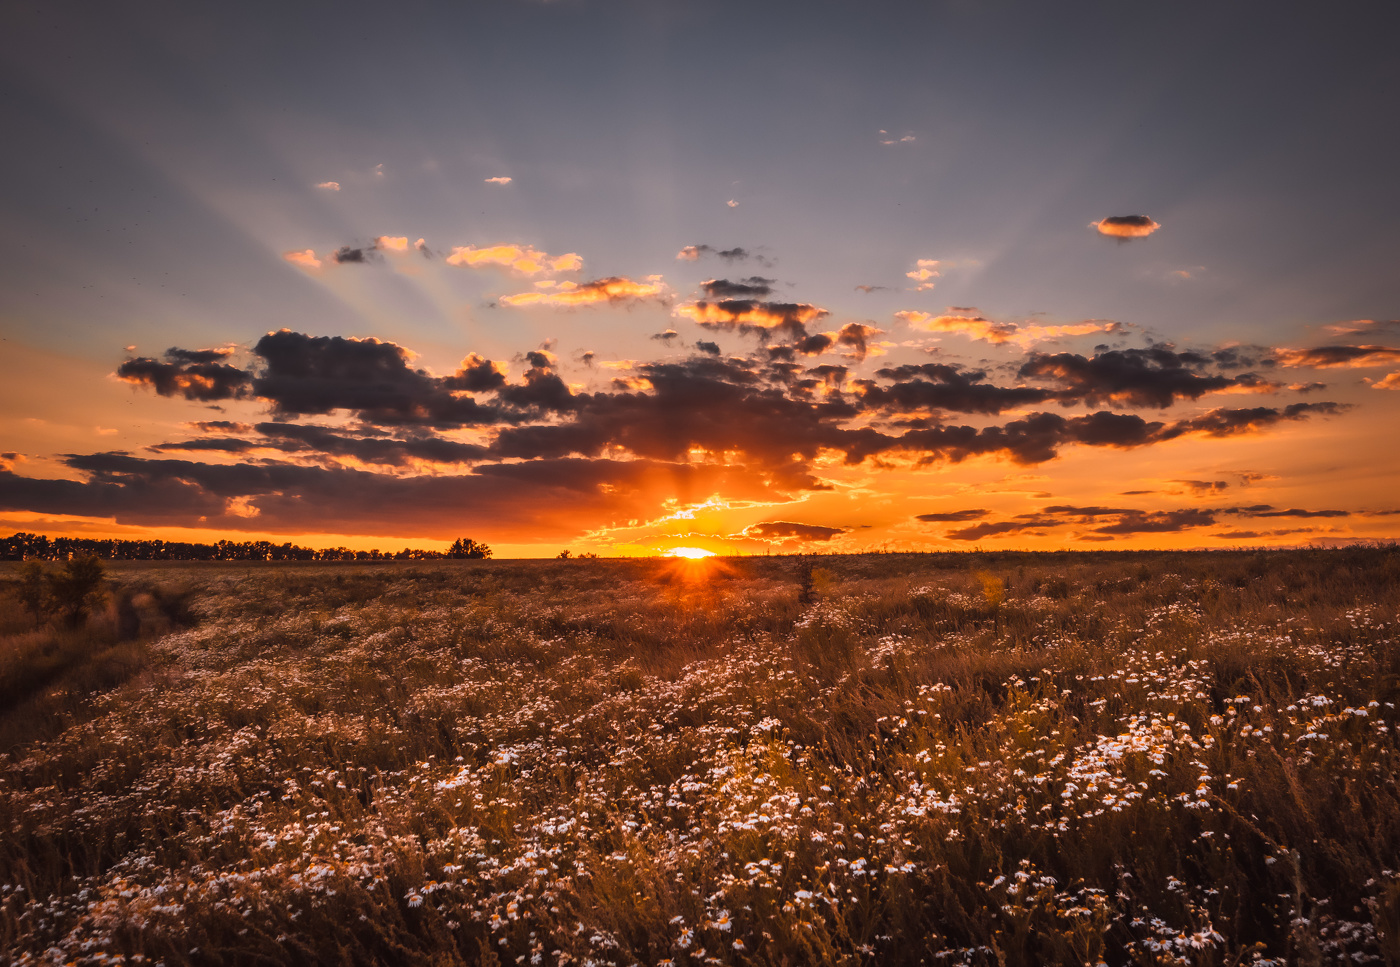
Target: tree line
x=38, y=547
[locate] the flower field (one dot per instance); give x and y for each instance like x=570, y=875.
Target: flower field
x=998, y=759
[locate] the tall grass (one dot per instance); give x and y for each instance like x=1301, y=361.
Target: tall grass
x=991, y=759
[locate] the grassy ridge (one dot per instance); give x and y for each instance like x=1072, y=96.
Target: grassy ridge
x=1004, y=759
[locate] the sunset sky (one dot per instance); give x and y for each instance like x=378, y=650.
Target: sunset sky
x=624, y=276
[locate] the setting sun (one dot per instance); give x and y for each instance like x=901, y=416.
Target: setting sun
x=691, y=553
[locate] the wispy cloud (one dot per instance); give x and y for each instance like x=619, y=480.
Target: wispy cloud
x=499, y=180
x=610, y=290
x=306, y=259
x=525, y=259
x=1333, y=357
x=1355, y=326
x=329, y=185
x=924, y=272
x=998, y=333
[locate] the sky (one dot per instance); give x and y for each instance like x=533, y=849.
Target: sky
x=621, y=277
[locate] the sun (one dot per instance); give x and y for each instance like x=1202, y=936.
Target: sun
x=692, y=553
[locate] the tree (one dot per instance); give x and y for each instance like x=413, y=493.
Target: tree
x=76, y=588
x=466, y=547
x=34, y=589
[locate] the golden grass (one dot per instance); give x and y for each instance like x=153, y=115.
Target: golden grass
x=957, y=759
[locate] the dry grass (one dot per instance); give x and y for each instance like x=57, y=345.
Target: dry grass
x=1000, y=759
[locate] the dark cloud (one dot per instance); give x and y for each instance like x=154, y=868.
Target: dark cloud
x=756, y=425
x=195, y=374
x=1157, y=522
x=220, y=426
x=1203, y=488
x=349, y=254
x=1232, y=422
x=1294, y=512
x=666, y=336
x=1126, y=521
x=867, y=289
x=476, y=374
x=693, y=252
x=499, y=502
x=857, y=336
x=952, y=516
x=316, y=375
x=390, y=452
x=782, y=530
x=992, y=529
x=197, y=356
x=939, y=386
x=754, y=287
x=788, y=320
x=1154, y=377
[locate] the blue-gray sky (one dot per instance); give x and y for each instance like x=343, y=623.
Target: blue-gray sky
x=164, y=158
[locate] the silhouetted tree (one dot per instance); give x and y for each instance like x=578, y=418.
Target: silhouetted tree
x=466, y=547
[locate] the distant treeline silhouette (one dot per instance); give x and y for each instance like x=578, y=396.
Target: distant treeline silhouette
x=22, y=546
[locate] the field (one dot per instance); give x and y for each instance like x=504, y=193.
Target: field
x=943, y=759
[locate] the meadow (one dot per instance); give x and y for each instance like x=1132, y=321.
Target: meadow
x=989, y=759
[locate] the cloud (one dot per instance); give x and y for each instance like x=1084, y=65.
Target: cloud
x=198, y=374
x=351, y=254
x=1389, y=381
x=999, y=333
x=711, y=348
x=693, y=252
x=1154, y=377
x=391, y=243
x=392, y=452
x=1125, y=521
x=732, y=203
x=499, y=502
x=329, y=185
x=906, y=139
x=1363, y=325
x=306, y=258
x=499, y=180
x=867, y=289
x=1125, y=227
x=9, y=458
x=750, y=315
x=614, y=289
x=782, y=530
x=754, y=287
x=1203, y=488
x=525, y=259
x=1331, y=357
x=943, y=387
x=1222, y=423
x=925, y=271
x=317, y=375
x=952, y=516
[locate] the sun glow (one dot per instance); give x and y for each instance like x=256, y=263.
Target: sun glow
x=691, y=553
